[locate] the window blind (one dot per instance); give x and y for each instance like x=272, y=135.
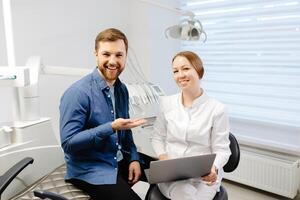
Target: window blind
x=251, y=57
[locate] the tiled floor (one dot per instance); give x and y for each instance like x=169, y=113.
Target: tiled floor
x=235, y=192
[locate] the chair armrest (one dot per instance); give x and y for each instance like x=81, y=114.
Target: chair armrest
x=46, y=194
x=10, y=174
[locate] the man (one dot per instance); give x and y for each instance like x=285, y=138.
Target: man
x=100, y=154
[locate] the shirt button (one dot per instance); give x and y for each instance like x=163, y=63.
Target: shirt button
x=112, y=111
x=116, y=168
x=115, y=158
x=117, y=143
x=108, y=96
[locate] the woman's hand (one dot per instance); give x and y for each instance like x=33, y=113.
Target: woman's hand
x=211, y=178
x=163, y=157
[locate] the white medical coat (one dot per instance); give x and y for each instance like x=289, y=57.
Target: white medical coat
x=200, y=129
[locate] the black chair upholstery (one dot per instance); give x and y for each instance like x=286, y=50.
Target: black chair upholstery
x=154, y=193
x=221, y=195
x=234, y=159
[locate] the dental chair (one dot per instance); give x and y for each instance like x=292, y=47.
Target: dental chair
x=53, y=185
x=155, y=194
x=9, y=175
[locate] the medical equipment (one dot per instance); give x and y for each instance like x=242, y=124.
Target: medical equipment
x=189, y=29
x=24, y=80
x=27, y=134
x=5, y=136
x=14, y=76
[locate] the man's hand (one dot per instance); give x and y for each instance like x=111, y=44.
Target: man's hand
x=211, y=178
x=125, y=124
x=134, y=172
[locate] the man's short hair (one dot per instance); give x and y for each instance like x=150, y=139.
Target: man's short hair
x=111, y=35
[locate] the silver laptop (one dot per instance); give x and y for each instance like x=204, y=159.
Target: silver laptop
x=179, y=168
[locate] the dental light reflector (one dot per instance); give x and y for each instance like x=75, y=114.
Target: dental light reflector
x=189, y=29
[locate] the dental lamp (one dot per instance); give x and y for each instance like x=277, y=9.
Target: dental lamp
x=189, y=29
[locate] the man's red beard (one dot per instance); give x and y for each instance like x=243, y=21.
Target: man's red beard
x=110, y=72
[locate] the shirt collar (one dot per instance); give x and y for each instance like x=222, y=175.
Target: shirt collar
x=198, y=101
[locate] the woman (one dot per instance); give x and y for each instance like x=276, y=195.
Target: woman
x=191, y=123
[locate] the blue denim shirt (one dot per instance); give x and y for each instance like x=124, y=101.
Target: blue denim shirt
x=87, y=138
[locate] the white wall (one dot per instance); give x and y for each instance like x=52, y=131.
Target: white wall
x=62, y=32
x=5, y=92
x=3, y=56
x=147, y=25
